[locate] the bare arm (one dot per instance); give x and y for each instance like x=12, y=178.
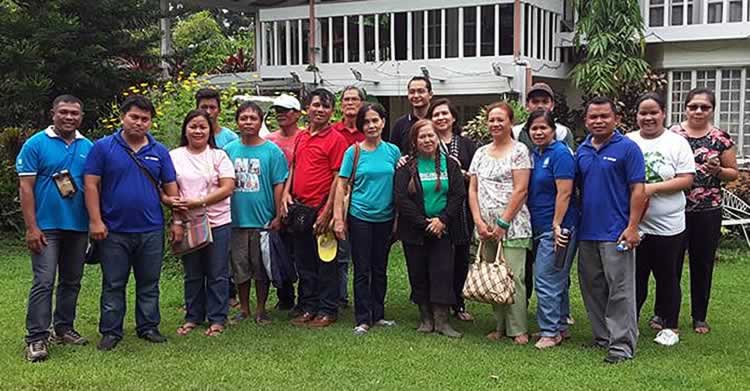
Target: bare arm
x=35, y=239
x=728, y=170
x=562, y=200
x=97, y=229
x=278, y=191
x=679, y=183
x=324, y=218
x=637, y=205
x=286, y=194
x=339, y=226
x=482, y=229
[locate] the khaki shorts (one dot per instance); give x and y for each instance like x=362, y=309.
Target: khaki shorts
x=246, y=256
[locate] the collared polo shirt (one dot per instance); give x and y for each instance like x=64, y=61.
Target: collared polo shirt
x=555, y=162
x=604, y=177
x=400, y=132
x=317, y=158
x=351, y=137
x=129, y=201
x=43, y=155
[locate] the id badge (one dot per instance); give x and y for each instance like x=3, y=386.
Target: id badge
x=65, y=184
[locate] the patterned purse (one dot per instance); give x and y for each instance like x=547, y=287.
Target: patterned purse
x=197, y=235
x=490, y=282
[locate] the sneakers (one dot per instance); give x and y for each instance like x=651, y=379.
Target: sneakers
x=385, y=323
x=361, y=330
x=667, y=337
x=69, y=337
x=108, y=342
x=37, y=351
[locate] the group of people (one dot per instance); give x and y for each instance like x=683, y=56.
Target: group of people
x=529, y=199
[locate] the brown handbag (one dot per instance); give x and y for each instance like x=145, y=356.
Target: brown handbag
x=490, y=282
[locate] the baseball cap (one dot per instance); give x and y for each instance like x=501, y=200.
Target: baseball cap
x=540, y=87
x=287, y=102
x=327, y=246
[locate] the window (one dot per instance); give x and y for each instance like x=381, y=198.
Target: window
x=681, y=82
x=338, y=39
x=324, y=40
x=369, y=25
x=568, y=22
x=269, y=43
x=676, y=12
x=384, y=35
x=305, y=41
x=735, y=10
x=451, y=32
x=281, y=42
x=399, y=35
x=417, y=35
x=433, y=34
x=488, y=30
x=730, y=101
x=506, y=29
x=294, y=43
x=656, y=13
x=705, y=79
x=470, y=31
x=352, y=45
x=715, y=11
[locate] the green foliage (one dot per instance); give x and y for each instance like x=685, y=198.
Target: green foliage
x=85, y=48
x=11, y=140
x=476, y=128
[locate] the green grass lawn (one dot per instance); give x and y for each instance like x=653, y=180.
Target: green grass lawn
x=281, y=356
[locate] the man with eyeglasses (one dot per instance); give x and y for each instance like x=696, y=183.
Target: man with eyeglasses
x=419, y=94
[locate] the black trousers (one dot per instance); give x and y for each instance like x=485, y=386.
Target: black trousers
x=460, y=270
x=703, y=231
x=431, y=270
x=660, y=255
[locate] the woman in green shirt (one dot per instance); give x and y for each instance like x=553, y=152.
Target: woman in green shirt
x=429, y=194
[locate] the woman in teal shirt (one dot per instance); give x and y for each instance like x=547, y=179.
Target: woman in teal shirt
x=369, y=221
x=429, y=193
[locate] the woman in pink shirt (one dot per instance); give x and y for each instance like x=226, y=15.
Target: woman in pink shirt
x=206, y=180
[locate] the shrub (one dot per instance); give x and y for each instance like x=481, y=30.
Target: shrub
x=476, y=128
x=11, y=140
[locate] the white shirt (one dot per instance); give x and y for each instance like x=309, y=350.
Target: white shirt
x=666, y=156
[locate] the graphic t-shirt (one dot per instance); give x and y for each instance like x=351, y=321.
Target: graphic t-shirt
x=435, y=200
x=257, y=169
x=665, y=157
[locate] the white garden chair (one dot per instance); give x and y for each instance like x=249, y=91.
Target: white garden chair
x=735, y=212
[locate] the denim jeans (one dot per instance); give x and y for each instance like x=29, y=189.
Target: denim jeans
x=143, y=253
x=62, y=256
x=370, y=247
x=551, y=285
x=207, y=278
x=343, y=258
x=318, y=281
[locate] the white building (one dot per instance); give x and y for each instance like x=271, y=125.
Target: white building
x=474, y=50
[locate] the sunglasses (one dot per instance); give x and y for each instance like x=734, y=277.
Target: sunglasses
x=281, y=110
x=702, y=107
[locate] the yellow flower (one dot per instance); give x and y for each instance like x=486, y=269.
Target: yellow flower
x=125, y=94
x=144, y=84
x=136, y=91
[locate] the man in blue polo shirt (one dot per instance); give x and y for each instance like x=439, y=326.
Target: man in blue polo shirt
x=125, y=174
x=50, y=171
x=611, y=176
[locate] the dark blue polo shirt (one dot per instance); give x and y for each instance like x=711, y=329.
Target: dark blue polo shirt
x=556, y=162
x=604, y=177
x=42, y=156
x=129, y=201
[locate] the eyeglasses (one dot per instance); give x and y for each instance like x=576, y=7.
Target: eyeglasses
x=701, y=107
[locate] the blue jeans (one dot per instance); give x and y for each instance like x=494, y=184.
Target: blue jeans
x=343, y=257
x=207, y=279
x=119, y=252
x=318, y=281
x=62, y=257
x=551, y=285
x=370, y=247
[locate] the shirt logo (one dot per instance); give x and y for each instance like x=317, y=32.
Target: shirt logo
x=154, y=158
x=20, y=161
x=611, y=159
x=545, y=164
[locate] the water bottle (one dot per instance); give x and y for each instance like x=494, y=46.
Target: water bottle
x=623, y=245
x=562, y=251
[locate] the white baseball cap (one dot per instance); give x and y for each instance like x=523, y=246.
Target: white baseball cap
x=287, y=102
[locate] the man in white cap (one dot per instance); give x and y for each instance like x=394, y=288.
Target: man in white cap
x=541, y=97
x=287, y=110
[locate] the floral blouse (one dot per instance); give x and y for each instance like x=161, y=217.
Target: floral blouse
x=705, y=194
x=495, y=186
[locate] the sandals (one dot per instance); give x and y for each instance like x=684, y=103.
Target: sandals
x=262, y=319
x=701, y=327
x=548, y=342
x=238, y=318
x=214, y=330
x=464, y=316
x=186, y=328
x=522, y=339
x=495, y=336
x=656, y=323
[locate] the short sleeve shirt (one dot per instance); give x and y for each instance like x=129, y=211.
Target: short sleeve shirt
x=285, y=143
x=555, y=162
x=198, y=175
x=705, y=194
x=604, y=177
x=257, y=168
x=224, y=137
x=42, y=156
x=495, y=187
x=129, y=201
x=350, y=135
x=317, y=158
x=372, y=191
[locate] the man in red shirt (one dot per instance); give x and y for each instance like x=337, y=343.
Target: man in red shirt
x=351, y=101
x=315, y=167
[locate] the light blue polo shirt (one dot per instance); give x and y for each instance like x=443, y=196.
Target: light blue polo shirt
x=556, y=162
x=43, y=155
x=129, y=201
x=224, y=137
x=604, y=177
x=372, y=193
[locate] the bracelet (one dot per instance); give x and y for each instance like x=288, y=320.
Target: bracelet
x=502, y=223
x=203, y=202
x=178, y=222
